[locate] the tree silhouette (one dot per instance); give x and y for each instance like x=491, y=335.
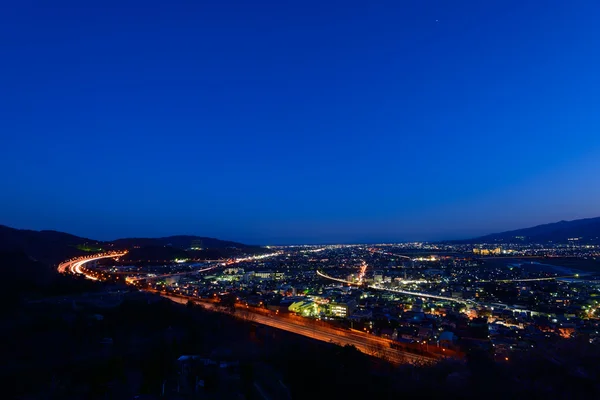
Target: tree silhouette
x=228, y=302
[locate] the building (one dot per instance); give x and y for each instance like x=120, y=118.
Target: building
x=487, y=252
x=262, y=275
x=269, y=275
x=304, y=307
x=342, y=310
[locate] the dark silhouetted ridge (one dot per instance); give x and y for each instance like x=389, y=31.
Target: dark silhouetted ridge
x=580, y=230
x=45, y=246
x=178, y=241
x=51, y=247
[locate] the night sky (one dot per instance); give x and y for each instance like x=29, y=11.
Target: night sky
x=298, y=121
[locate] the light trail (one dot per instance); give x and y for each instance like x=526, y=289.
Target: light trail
x=74, y=266
x=220, y=264
x=406, y=292
x=361, y=273
x=252, y=258
x=364, y=342
x=336, y=279
x=551, y=278
x=389, y=254
x=135, y=280
x=537, y=279
x=427, y=295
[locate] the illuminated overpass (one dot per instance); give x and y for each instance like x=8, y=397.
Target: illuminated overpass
x=133, y=280
x=537, y=279
x=389, y=254
x=400, y=291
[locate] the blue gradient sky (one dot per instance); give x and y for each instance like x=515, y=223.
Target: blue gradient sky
x=298, y=121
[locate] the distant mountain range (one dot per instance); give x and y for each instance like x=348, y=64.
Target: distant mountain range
x=179, y=241
x=52, y=247
x=586, y=231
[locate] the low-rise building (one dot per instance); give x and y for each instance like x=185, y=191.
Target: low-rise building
x=342, y=310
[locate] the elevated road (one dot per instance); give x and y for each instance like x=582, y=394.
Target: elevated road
x=406, y=292
x=146, y=278
x=551, y=278
x=364, y=342
x=389, y=254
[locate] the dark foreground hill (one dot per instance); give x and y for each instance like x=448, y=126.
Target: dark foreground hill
x=107, y=344
x=583, y=230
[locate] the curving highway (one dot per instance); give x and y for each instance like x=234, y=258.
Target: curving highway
x=74, y=266
x=406, y=292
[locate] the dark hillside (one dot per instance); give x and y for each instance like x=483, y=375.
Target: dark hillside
x=46, y=246
x=587, y=231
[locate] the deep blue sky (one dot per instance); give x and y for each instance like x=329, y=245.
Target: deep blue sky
x=298, y=121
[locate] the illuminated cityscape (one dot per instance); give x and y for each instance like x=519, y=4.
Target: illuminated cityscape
x=238, y=200
x=421, y=301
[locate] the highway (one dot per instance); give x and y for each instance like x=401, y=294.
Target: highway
x=551, y=278
x=426, y=295
x=132, y=280
x=389, y=254
x=366, y=343
x=74, y=266
x=220, y=263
